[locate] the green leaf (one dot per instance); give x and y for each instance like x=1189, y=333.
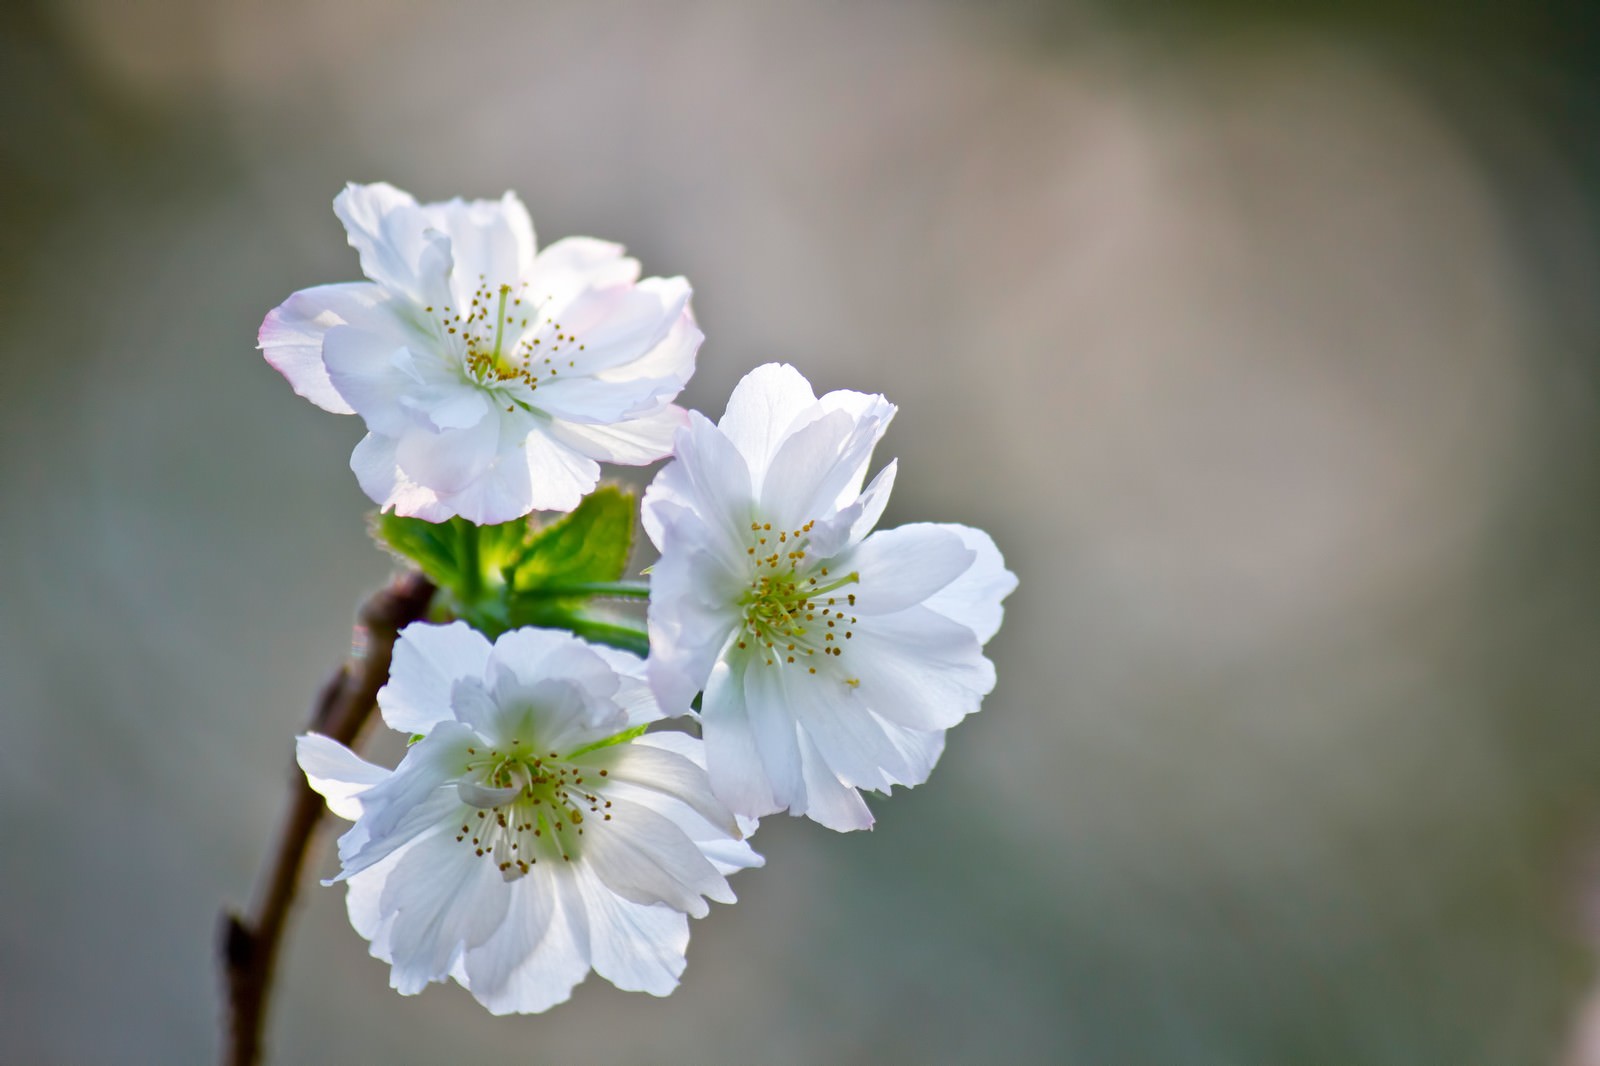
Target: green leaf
x=518, y=574
x=546, y=586
x=467, y=559
x=432, y=546
x=589, y=545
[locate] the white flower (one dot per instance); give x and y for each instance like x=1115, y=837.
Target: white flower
x=520, y=843
x=490, y=379
x=830, y=660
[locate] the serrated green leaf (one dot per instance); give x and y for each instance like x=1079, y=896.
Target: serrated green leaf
x=589, y=545
x=432, y=546
x=514, y=574
x=456, y=555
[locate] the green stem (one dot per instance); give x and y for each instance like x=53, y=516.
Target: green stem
x=611, y=634
x=639, y=590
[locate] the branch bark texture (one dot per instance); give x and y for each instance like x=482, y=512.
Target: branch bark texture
x=249, y=943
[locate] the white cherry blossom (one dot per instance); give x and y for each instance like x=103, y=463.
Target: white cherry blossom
x=830, y=660
x=520, y=843
x=492, y=380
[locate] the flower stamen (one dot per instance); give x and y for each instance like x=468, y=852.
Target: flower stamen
x=542, y=818
x=784, y=599
x=521, y=348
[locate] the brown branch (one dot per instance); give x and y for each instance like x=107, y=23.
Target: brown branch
x=249, y=946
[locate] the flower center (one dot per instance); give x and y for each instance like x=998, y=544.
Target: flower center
x=523, y=807
x=790, y=611
x=507, y=338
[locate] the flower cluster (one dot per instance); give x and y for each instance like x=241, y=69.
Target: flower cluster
x=545, y=820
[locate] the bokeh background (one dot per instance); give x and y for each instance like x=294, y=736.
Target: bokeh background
x=1263, y=338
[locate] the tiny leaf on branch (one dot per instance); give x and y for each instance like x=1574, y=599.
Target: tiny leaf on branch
x=520, y=574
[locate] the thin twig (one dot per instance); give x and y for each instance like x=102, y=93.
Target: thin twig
x=250, y=945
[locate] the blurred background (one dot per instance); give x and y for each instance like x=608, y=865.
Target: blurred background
x=1263, y=339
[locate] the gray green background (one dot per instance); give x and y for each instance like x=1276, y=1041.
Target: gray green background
x=1264, y=344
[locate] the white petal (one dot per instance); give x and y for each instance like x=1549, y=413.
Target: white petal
x=841, y=728
x=574, y=263
x=555, y=710
x=484, y=798
x=872, y=502
x=446, y=461
x=472, y=705
x=428, y=659
x=557, y=963
x=727, y=854
x=803, y=476
x=829, y=801
x=631, y=443
x=559, y=476
x=489, y=237
x=854, y=745
x=501, y=493
x=458, y=405
x=367, y=369
x=904, y=566
x=377, y=472
x=624, y=663
x=337, y=773
x=716, y=482
x=920, y=748
x=291, y=336
x=399, y=249
x=633, y=693
x=619, y=324
x=565, y=951
x=687, y=633
x=386, y=485
x=416, y=801
x=491, y=968
x=637, y=948
x=675, y=775
x=762, y=408
x=872, y=413
x=570, y=687
x=671, y=362
x=532, y=654
x=731, y=856
x=414, y=815
x=363, y=898
x=644, y=857
x=973, y=599
x=596, y=400
x=919, y=668
x=816, y=468
x=773, y=727
x=446, y=901
x=680, y=744
x=732, y=760
x=668, y=498
x=597, y=389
